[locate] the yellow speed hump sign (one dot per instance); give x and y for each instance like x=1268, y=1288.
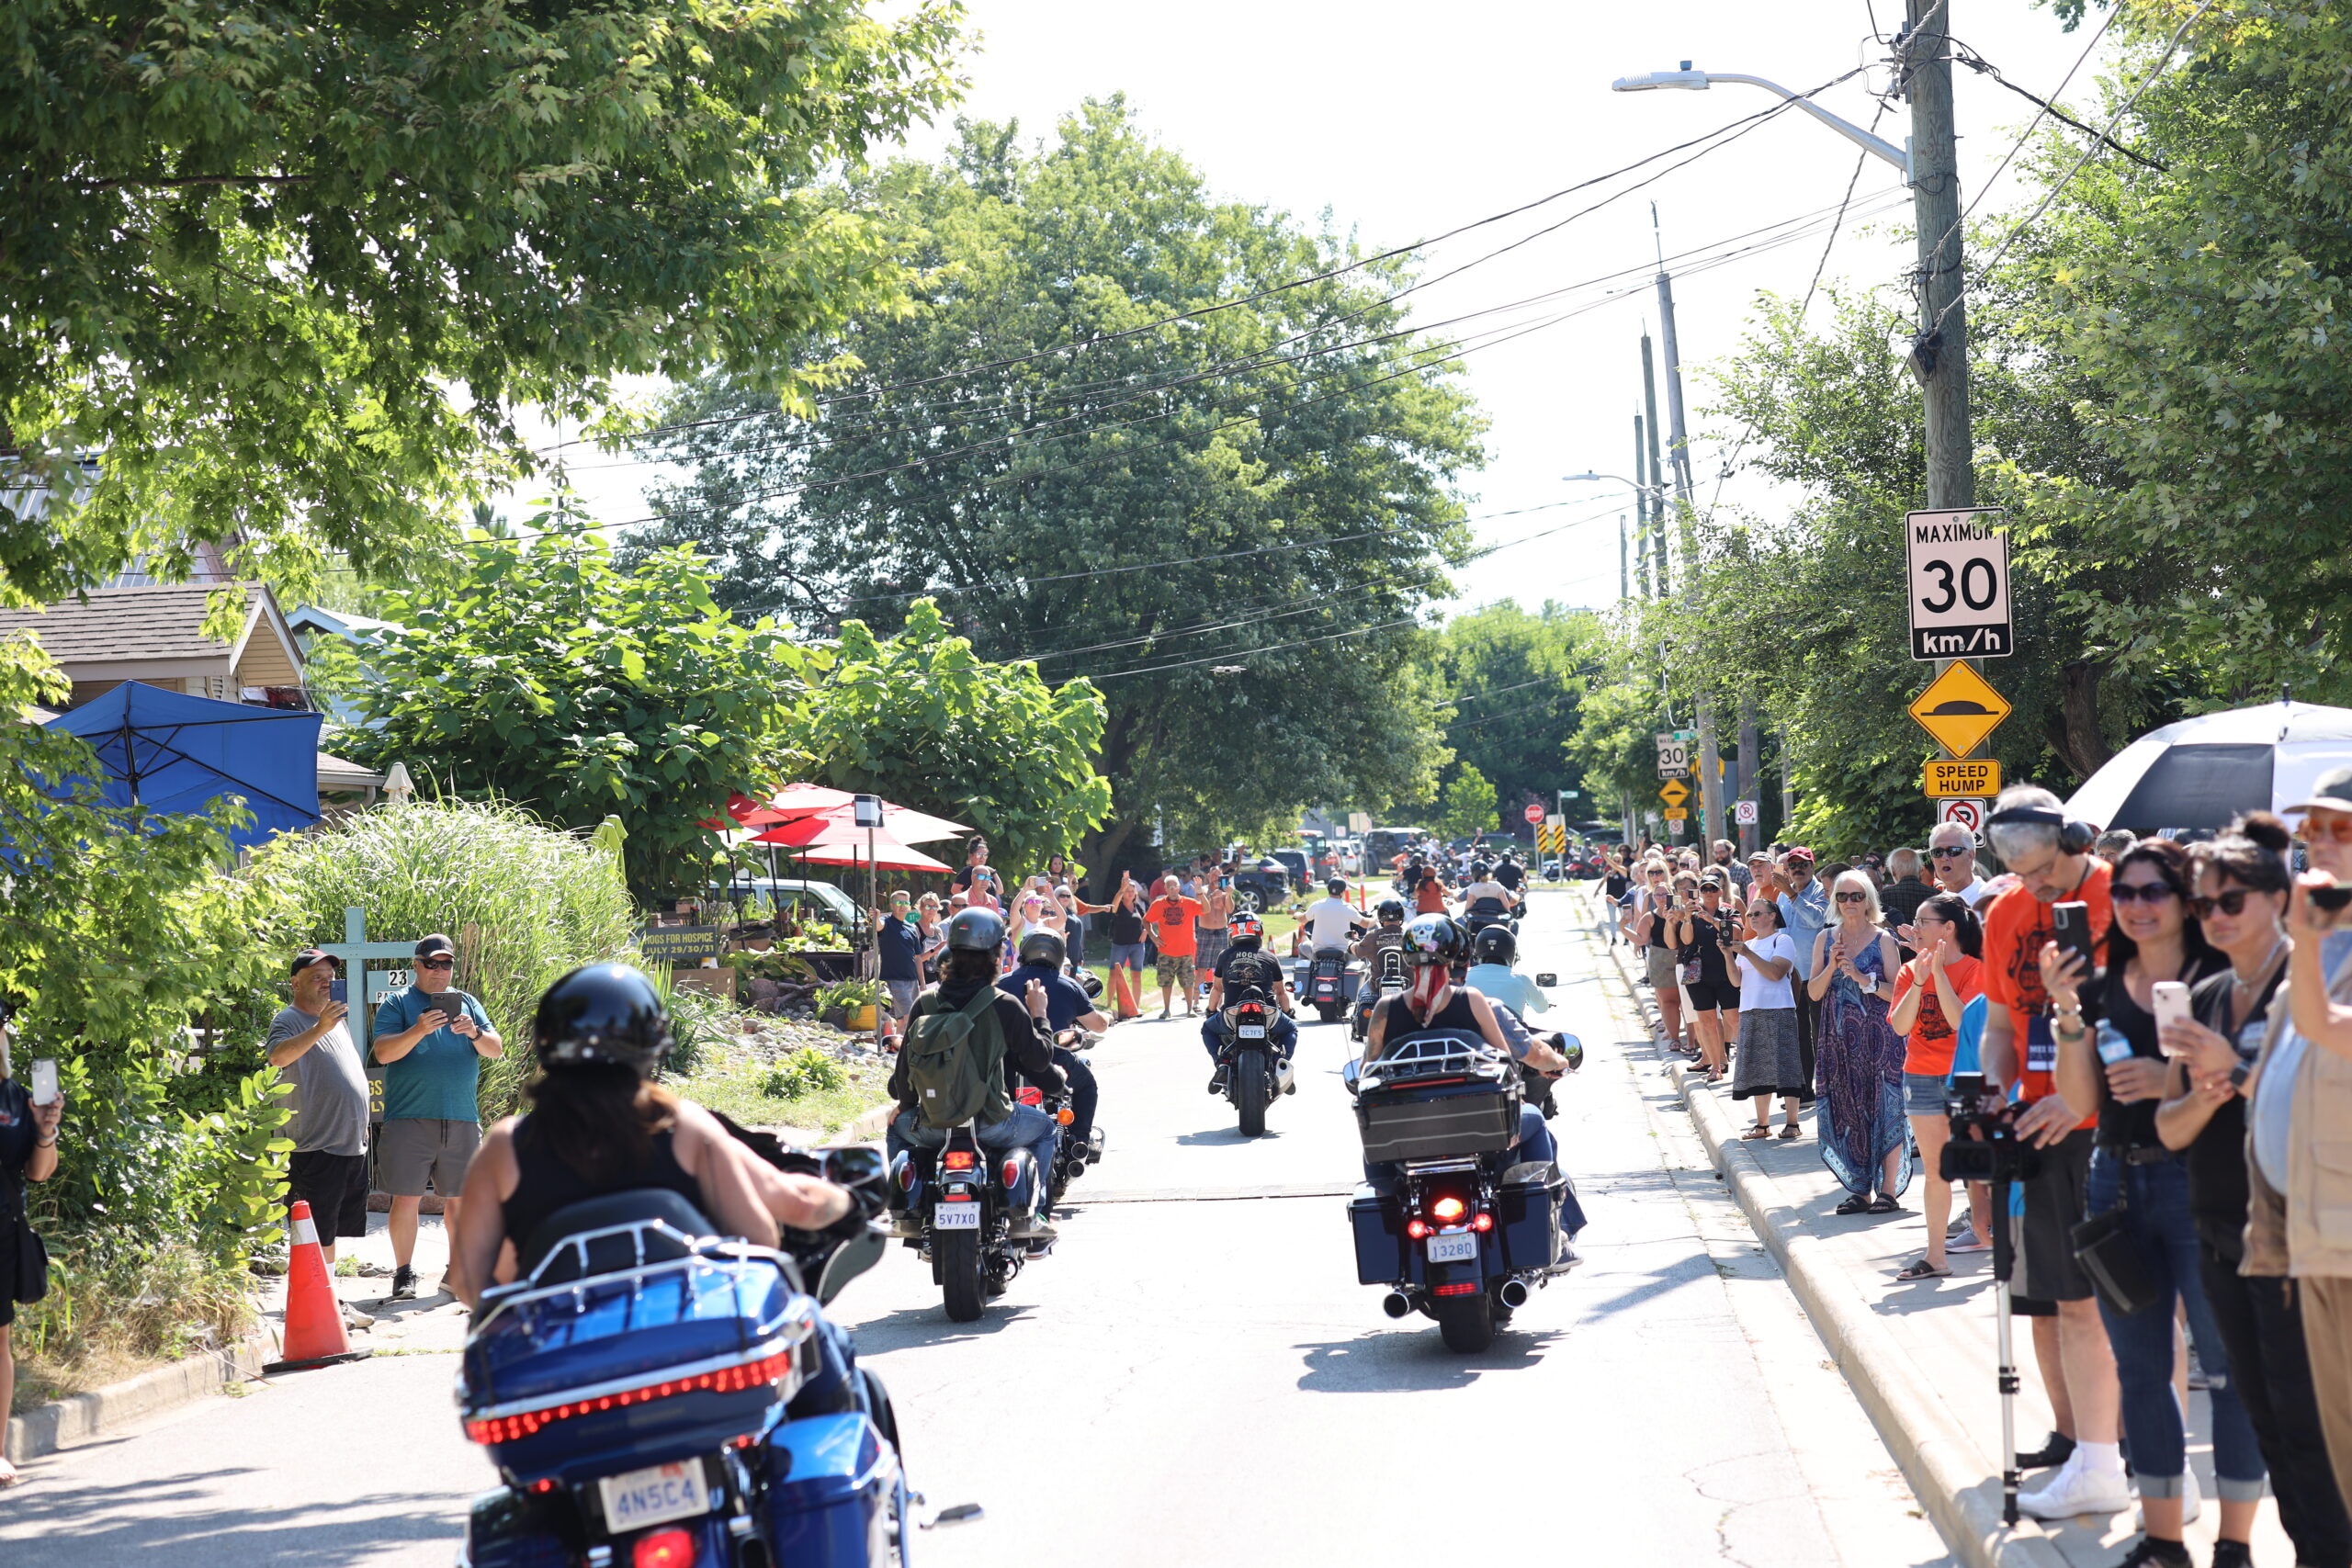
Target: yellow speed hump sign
x=1674, y=792
x=1963, y=778
x=1960, y=708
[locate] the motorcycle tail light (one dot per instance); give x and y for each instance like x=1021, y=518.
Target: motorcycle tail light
x=1011, y=1174
x=1416, y=1228
x=1482, y=1222
x=1448, y=1209
x=726, y=1380
x=663, y=1549
x=958, y=1159
x=1459, y=1288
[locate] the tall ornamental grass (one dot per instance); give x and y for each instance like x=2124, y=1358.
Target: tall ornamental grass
x=540, y=900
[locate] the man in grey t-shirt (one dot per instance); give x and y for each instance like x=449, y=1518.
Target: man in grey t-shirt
x=311, y=1049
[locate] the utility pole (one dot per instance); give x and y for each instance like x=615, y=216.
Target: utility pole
x=1710, y=767
x=1640, y=509
x=1751, y=834
x=1624, y=568
x=1939, y=353
x=1648, y=474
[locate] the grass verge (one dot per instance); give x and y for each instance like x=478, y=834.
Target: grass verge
x=113, y=1312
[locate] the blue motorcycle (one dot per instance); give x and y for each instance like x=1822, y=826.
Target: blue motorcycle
x=657, y=1397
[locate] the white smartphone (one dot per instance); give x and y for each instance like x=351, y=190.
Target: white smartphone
x=44, y=1081
x=2171, y=999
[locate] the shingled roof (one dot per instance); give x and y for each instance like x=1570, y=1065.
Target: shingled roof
x=126, y=632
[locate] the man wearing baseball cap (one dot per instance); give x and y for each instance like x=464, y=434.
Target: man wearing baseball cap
x=431, y=1041
x=311, y=1049
x=1804, y=904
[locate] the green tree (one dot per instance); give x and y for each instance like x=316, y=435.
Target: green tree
x=280, y=272
x=1467, y=807
x=559, y=681
x=1514, y=680
x=1027, y=446
x=920, y=719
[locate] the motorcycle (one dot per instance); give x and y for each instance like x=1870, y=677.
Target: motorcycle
x=957, y=1204
x=1488, y=911
x=1254, y=1068
x=1071, y=1158
x=1385, y=982
x=1326, y=983
x=651, y=1394
x=1461, y=1231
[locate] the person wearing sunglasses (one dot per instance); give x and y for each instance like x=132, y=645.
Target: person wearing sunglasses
x=310, y=1044
x=1951, y=864
x=431, y=1041
x=1865, y=1141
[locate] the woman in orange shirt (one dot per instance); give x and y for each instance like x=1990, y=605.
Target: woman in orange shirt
x=1931, y=995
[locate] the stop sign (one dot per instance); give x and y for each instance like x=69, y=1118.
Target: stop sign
x=1534, y=813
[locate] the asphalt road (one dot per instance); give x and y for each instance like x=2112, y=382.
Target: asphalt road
x=1193, y=1376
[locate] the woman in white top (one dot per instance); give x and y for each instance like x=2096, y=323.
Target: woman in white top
x=1770, y=1060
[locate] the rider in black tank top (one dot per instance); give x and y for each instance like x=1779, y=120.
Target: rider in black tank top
x=545, y=1183
x=1399, y=1024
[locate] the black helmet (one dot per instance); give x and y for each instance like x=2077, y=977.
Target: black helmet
x=976, y=930
x=1436, y=939
x=1494, y=944
x=1480, y=870
x=1042, y=947
x=1336, y=887
x=602, y=1012
x=1389, y=909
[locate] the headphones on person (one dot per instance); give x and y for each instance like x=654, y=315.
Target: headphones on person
x=2074, y=838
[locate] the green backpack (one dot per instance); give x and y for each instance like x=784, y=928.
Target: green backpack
x=955, y=1058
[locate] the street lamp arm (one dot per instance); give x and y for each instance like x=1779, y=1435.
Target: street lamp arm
x=1646, y=489
x=1700, y=81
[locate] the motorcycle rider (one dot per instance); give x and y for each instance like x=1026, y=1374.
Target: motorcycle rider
x=1388, y=936
x=1513, y=877
x=1019, y=1041
x=1482, y=884
x=598, y=1124
x=1247, y=969
x=1066, y=1004
x=1492, y=953
x=1330, y=920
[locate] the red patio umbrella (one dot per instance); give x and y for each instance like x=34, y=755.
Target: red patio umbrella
x=889, y=856
x=835, y=825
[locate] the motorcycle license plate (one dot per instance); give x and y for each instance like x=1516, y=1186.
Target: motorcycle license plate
x=654, y=1496
x=1462, y=1248
x=956, y=1217
x=1253, y=1032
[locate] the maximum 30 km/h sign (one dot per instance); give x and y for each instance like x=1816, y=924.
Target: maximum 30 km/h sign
x=1960, y=585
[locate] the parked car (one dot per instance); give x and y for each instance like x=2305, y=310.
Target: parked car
x=818, y=900
x=1266, y=884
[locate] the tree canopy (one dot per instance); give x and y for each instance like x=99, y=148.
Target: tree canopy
x=1514, y=680
x=1229, y=522
x=279, y=273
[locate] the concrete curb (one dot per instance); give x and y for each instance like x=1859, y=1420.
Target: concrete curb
x=84, y=1416
x=869, y=1123
x=1954, y=1481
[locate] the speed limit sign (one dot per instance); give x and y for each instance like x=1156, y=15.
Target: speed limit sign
x=1673, y=754
x=1958, y=585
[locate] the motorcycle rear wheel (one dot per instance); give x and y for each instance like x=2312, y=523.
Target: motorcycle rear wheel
x=959, y=1274
x=1250, y=1092
x=1466, y=1324
x=1330, y=1011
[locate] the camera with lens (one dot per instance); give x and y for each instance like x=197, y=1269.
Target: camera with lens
x=1985, y=1144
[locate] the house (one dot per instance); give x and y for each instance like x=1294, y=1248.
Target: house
x=153, y=632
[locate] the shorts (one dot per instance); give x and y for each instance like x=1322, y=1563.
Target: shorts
x=335, y=1186
x=902, y=995
x=1127, y=955
x=416, y=1147
x=1211, y=945
x=1709, y=995
x=1176, y=969
x=2055, y=1202
x=1662, y=968
x=1923, y=1093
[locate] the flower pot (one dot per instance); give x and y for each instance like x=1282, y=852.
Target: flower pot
x=861, y=1020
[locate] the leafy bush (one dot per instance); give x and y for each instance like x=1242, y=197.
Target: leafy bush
x=805, y=1072
x=524, y=901
x=116, y=1301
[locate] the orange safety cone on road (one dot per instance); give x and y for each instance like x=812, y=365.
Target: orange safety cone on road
x=314, y=1332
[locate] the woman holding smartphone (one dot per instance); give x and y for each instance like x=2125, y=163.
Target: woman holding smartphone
x=2105, y=1024
x=28, y=1153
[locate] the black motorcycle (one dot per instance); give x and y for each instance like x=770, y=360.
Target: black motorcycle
x=1254, y=1068
x=1386, y=981
x=1488, y=911
x=1460, y=1230
x=1071, y=1158
x=1326, y=983
x=959, y=1207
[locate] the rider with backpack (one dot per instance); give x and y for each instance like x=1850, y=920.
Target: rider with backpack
x=960, y=1040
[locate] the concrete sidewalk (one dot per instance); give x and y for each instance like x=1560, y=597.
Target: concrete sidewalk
x=1920, y=1355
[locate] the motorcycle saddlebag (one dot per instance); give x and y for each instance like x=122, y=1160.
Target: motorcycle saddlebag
x=830, y=1482
x=1448, y=1122
x=1530, y=1196
x=1380, y=1255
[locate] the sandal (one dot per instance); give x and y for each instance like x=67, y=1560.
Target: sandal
x=1761, y=1129
x=1858, y=1203
x=1790, y=1132
x=1883, y=1205
x=1922, y=1270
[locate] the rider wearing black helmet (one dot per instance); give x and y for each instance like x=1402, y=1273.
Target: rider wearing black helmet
x=1246, y=968
x=1493, y=952
x=1022, y=1041
x=599, y=1124
x=1066, y=1004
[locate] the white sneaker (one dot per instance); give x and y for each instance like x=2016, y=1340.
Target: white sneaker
x=2076, y=1489
x=2191, y=1502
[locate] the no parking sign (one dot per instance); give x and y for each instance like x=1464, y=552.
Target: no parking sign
x=1969, y=814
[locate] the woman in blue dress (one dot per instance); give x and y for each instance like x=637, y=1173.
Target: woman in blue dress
x=1865, y=1139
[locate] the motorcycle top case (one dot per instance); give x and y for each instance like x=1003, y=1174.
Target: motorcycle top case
x=1444, y=1121
x=658, y=1362
x=830, y=1482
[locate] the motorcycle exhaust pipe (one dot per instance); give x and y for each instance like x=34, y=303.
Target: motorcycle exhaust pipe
x=1395, y=1304
x=1513, y=1295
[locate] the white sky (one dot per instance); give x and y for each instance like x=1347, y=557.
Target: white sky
x=1406, y=121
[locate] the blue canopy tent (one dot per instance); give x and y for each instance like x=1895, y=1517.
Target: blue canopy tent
x=177, y=754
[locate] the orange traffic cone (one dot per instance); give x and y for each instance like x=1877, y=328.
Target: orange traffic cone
x=314, y=1334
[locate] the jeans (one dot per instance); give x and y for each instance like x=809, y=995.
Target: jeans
x=1084, y=1094
x=2262, y=1324
x=1027, y=1128
x=1282, y=1034
x=2159, y=1225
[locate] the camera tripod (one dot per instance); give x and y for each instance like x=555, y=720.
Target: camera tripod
x=2006, y=1372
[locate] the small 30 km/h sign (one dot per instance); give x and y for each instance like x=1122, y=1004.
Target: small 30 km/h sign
x=1674, y=792
x=1960, y=585
x=1965, y=778
x=1959, y=709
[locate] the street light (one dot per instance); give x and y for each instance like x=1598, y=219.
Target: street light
x=1689, y=80
x=1645, y=490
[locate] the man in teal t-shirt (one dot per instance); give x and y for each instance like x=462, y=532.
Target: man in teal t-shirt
x=431, y=1041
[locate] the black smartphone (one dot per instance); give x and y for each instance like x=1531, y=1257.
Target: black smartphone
x=2335, y=899
x=2071, y=927
x=452, y=1005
